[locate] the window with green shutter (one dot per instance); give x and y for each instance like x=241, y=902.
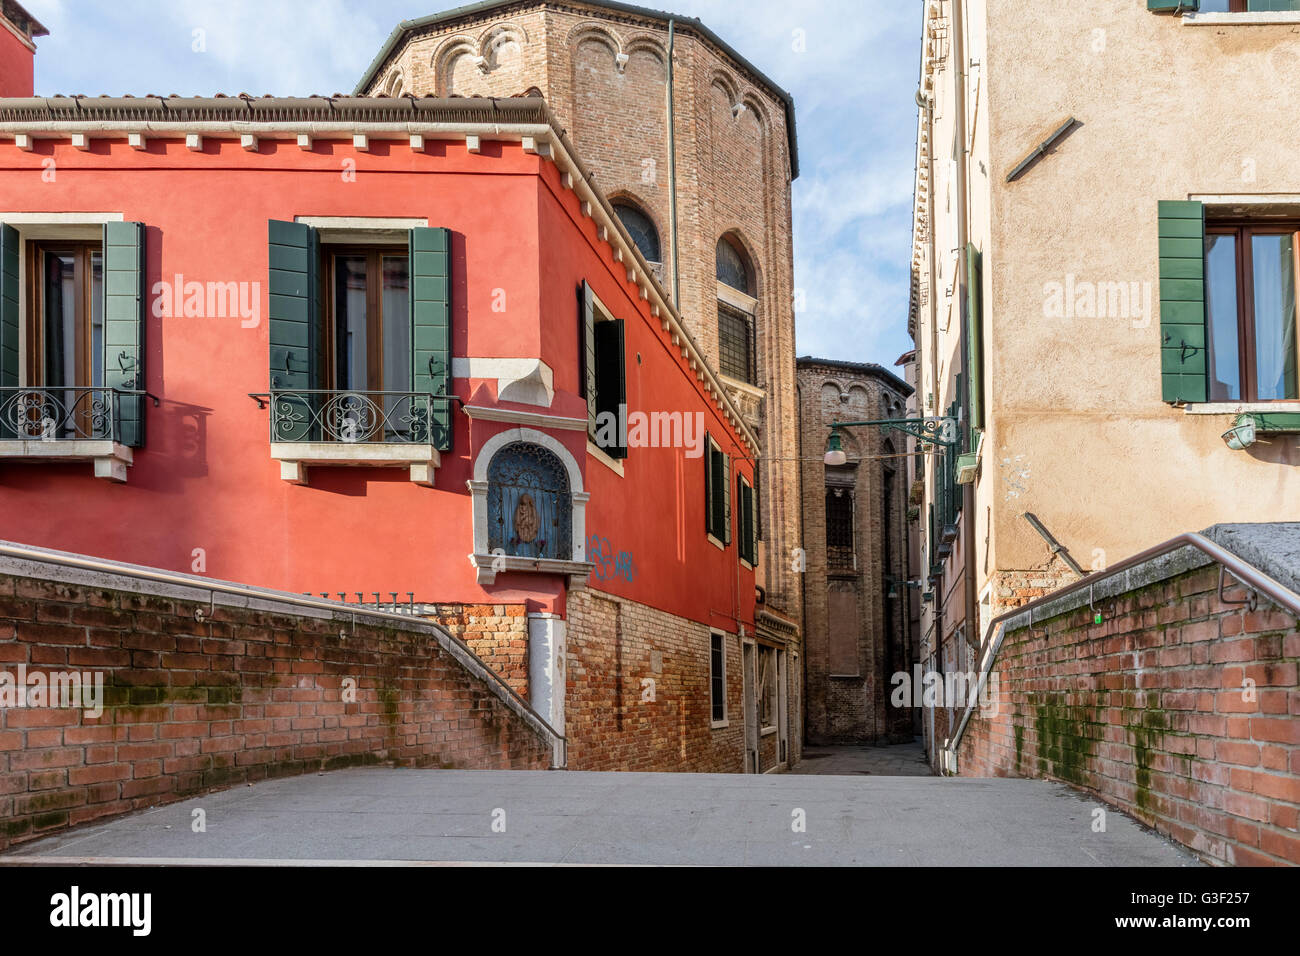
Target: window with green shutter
x=1173, y=6
x=1181, y=237
x=717, y=492
x=975, y=334
x=360, y=338
x=602, y=373
x=746, y=521
x=9, y=316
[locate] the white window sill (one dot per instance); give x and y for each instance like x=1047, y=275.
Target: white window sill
x=1255, y=18
x=716, y=543
x=767, y=731
x=489, y=566
x=1240, y=408
x=294, y=458
x=719, y=724
x=613, y=464
x=741, y=386
x=111, y=459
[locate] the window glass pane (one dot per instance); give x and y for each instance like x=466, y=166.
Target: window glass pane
x=396, y=338
x=1274, y=267
x=97, y=320
x=60, y=319
x=731, y=267
x=350, y=322
x=734, y=345
x=1221, y=315
x=641, y=229
x=719, y=693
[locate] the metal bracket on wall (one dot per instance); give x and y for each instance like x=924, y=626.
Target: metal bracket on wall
x=1250, y=602
x=1042, y=148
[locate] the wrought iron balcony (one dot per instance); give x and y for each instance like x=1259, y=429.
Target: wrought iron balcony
x=31, y=414
x=358, y=418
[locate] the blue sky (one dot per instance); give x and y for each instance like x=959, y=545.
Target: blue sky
x=852, y=83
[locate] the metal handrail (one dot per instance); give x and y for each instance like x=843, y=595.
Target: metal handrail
x=1245, y=573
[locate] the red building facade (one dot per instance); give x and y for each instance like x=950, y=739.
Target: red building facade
x=382, y=349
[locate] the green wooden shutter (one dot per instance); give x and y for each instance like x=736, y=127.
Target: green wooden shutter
x=975, y=333
x=726, y=499
x=430, y=251
x=124, y=301
x=587, y=353
x=1182, y=301
x=745, y=520
x=9, y=319
x=293, y=257
x=1173, y=6
x=611, y=377
x=710, y=493
x=752, y=510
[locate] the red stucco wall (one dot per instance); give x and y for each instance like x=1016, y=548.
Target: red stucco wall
x=205, y=479
x=17, y=65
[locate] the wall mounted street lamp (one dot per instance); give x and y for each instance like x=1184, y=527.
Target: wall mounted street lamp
x=938, y=430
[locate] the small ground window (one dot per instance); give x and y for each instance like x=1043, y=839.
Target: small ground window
x=718, y=677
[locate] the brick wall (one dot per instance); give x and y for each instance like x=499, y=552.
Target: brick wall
x=1147, y=710
x=851, y=704
x=497, y=633
x=242, y=695
x=613, y=645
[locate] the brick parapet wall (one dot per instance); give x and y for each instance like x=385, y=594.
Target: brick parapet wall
x=1151, y=711
x=244, y=694
x=497, y=633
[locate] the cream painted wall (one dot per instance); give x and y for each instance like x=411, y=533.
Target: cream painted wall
x=1076, y=429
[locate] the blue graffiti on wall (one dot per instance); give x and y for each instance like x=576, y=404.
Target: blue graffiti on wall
x=608, y=564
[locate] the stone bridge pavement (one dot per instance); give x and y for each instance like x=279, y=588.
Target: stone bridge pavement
x=404, y=816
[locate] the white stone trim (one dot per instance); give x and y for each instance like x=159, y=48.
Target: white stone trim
x=515, y=416
x=482, y=558
x=598, y=453
x=294, y=458
x=111, y=459
x=524, y=380
x=1253, y=18
x=1240, y=408
x=362, y=229
x=737, y=299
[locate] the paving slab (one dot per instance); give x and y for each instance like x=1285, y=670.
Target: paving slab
x=404, y=816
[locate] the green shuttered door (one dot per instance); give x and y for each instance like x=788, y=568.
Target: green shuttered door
x=124, y=324
x=430, y=251
x=8, y=316
x=1182, y=301
x=587, y=352
x=292, y=258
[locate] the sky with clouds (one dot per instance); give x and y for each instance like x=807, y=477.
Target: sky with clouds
x=851, y=66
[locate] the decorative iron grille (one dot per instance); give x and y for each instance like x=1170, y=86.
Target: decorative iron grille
x=60, y=414
x=530, y=513
x=352, y=417
x=736, y=344
x=839, y=530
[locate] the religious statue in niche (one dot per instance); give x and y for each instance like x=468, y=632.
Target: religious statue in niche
x=526, y=521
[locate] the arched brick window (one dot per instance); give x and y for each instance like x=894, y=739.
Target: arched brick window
x=641, y=229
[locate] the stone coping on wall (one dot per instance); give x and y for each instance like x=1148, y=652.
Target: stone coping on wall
x=1272, y=547
x=47, y=564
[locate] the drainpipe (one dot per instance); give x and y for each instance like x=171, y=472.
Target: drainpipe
x=963, y=237
x=672, y=170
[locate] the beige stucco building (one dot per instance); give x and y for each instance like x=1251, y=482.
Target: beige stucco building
x=1106, y=199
